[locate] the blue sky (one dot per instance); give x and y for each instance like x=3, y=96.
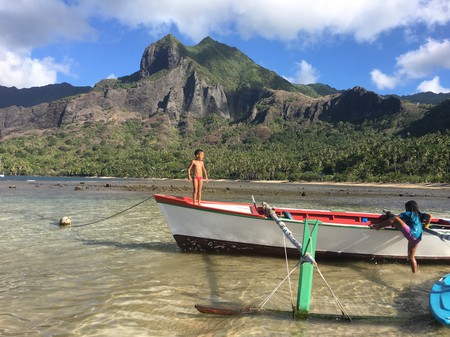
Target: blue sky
x=387, y=46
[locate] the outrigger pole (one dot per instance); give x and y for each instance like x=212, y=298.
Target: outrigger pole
x=308, y=251
x=307, y=265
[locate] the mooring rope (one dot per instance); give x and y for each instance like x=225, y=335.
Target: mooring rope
x=287, y=270
x=343, y=311
x=112, y=216
x=268, y=297
x=305, y=258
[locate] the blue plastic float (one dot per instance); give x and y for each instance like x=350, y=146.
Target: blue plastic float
x=440, y=300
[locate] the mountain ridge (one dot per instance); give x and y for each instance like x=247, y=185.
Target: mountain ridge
x=182, y=83
x=27, y=97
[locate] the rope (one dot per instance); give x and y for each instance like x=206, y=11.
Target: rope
x=112, y=216
x=268, y=297
x=287, y=269
x=305, y=258
x=343, y=311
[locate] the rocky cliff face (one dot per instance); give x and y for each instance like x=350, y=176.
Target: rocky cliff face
x=357, y=105
x=354, y=106
x=174, y=85
x=165, y=54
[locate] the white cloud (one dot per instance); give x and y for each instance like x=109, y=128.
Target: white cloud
x=23, y=71
x=383, y=81
x=422, y=62
x=287, y=20
x=433, y=85
x=306, y=74
x=29, y=24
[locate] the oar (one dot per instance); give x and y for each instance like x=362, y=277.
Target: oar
x=228, y=311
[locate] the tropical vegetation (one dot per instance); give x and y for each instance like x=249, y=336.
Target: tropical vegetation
x=280, y=150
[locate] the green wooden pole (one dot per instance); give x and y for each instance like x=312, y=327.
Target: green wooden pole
x=306, y=271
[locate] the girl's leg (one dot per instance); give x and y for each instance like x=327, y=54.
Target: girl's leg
x=404, y=228
x=385, y=223
x=412, y=247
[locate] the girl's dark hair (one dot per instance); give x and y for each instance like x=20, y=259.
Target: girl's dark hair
x=411, y=206
x=197, y=152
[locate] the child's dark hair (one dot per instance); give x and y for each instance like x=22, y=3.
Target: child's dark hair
x=411, y=206
x=197, y=152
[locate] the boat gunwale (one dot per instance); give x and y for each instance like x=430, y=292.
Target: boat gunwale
x=186, y=202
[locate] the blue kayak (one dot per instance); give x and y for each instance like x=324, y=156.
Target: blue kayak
x=440, y=300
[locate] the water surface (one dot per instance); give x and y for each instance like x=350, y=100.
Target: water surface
x=126, y=277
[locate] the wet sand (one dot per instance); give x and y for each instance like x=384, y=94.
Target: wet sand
x=216, y=189
x=433, y=198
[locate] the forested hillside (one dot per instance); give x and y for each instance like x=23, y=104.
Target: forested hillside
x=281, y=151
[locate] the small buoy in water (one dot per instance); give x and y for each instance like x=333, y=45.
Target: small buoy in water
x=65, y=221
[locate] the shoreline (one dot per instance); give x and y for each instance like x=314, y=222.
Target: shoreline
x=223, y=186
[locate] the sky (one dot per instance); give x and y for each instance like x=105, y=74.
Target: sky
x=387, y=46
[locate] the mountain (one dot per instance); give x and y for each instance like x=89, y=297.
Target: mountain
x=437, y=119
x=32, y=96
x=177, y=84
x=426, y=98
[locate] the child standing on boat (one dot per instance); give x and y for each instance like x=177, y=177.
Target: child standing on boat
x=199, y=169
x=410, y=224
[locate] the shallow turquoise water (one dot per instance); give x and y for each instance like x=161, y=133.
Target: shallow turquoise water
x=125, y=276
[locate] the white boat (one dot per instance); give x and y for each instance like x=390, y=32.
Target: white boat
x=228, y=227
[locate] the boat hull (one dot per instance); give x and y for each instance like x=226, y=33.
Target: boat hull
x=234, y=228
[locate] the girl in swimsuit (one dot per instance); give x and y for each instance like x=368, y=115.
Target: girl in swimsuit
x=199, y=169
x=410, y=224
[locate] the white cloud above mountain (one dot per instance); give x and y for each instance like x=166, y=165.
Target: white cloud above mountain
x=306, y=74
x=30, y=31
x=432, y=85
x=417, y=64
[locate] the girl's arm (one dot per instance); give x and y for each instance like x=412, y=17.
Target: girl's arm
x=426, y=218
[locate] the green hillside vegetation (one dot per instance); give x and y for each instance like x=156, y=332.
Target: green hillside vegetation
x=316, y=89
x=437, y=118
x=427, y=97
x=279, y=151
x=233, y=69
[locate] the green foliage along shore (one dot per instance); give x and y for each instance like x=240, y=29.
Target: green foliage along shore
x=278, y=151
